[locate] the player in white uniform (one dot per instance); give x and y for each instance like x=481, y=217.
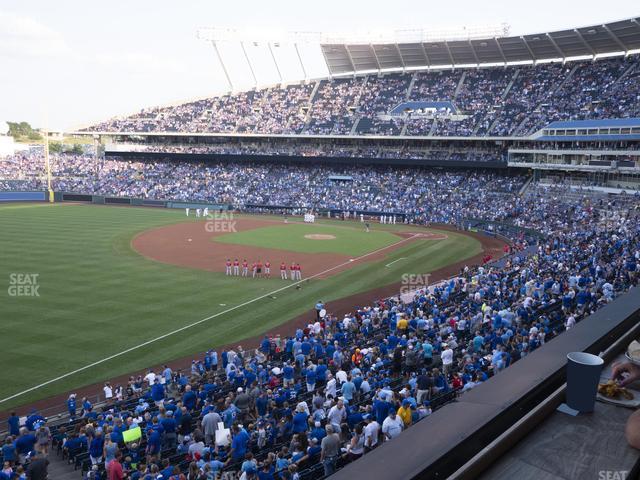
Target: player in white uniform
x=186, y=211
x=205, y=213
x=198, y=213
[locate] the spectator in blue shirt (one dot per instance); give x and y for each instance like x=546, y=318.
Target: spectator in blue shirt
x=9, y=450
x=238, y=444
x=96, y=448
x=13, y=424
x=157, y=392
x=189, y=398
x=71, y=406
x=300, y=419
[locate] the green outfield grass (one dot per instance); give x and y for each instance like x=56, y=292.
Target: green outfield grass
x=98, y=297
x=349, y=240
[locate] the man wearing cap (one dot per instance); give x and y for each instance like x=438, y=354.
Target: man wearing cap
x=157, y=392
x=242, y=403
x=154, y=443
x=381, y=407
x=404, y=412
x=330, y=448
x=210, y=425
x=371, y=432
x=424, y=410
x=392, y=426
x=170, y=427
x=410, y=359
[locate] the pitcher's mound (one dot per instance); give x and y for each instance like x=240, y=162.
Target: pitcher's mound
x=319, y=236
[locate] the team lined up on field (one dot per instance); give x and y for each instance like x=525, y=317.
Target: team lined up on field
x=232, y=268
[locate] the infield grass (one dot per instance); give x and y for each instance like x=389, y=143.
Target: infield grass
x=348, y=239
x=97, y=297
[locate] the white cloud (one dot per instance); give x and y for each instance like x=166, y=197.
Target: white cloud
x=136, y=62
x=22, y=36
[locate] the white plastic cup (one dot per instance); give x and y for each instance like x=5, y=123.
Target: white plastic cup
x=583, y=375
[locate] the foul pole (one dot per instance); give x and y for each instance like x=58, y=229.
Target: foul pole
x=47, y=165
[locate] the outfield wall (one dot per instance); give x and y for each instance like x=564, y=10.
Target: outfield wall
x=23, y=196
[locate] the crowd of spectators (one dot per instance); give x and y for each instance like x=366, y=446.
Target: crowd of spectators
x=380, y=95
x=363, y=187
x=303, y=405
x=583, y=88
x=514, y=100
x=481, y=91
x=332, y=111
x=530, y=87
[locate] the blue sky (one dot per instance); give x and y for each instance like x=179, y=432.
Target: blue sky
x=69, y=62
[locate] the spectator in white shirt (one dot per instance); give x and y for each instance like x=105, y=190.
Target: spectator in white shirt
x=392, y=426
x=108, y=391
x=371, y=432
x=447, y=359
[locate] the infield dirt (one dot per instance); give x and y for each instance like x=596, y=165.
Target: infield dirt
x=190, y=245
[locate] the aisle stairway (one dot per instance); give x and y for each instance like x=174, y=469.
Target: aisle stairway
x=59, y=469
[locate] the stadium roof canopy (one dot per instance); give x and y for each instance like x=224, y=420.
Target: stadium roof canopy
x=362, y=56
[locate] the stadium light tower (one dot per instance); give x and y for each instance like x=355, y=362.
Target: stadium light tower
x=275, y=62
x=246, y=57
x=269, y=38
x=210, y=36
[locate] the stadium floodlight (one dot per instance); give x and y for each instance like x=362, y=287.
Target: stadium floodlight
x=246, y=57
x=271, y=38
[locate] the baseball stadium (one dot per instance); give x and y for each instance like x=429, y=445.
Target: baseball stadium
x=421, y=265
